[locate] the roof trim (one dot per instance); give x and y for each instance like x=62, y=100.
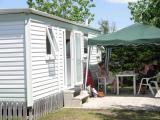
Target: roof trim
x=44, y=14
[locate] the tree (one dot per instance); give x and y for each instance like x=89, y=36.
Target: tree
x=104, y=26
x=113, y=27
x=75, y=10
x=131, y=57
x=146, y=11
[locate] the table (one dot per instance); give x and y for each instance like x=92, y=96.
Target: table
x=126, y=75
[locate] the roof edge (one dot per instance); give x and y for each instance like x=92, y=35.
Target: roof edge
x=44, y=14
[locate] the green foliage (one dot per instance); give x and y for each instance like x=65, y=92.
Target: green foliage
x=75, y=10
x=105, y=27
x=131, y=58
x=113, y=27
x=146, y=11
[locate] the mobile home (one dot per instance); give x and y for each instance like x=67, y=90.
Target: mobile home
x=41, y=56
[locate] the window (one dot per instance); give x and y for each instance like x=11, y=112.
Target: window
x=48, y=46
x=85, y=44
x=51, y=44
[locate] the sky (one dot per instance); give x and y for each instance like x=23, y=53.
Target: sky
x=112, y=10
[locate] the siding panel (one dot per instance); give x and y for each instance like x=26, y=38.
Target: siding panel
x=94, y=52
x=12, y=76
x=45, y=72
x=11, y=82
x=6, y=91
x=11, y=72
x=59, y=35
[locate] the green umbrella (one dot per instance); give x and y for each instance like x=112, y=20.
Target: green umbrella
x=136, y=34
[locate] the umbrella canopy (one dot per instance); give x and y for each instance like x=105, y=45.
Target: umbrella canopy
x=136, y=34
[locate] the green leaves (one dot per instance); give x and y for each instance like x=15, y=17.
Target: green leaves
x=131, y=58
x=75, y=10
x=30, y=4
x=146, y=11
x=104, y=26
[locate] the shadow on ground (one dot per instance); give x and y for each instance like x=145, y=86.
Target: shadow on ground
x=120, y=114
x=144, y=107
x=102, y=114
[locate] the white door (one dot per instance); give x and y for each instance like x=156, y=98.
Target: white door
x=76, y=58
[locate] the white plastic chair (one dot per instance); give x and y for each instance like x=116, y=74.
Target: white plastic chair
x=148, y=84
x=155, y=84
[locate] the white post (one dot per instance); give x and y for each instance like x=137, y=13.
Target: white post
x=117, y=78
x=134, y=84
x=107, y=62
x=28, y=65
x=87, y=66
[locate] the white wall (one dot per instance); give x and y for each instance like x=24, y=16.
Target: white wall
x=12, y=71
x=60, y=37
x=95, y=52
x=47, y=75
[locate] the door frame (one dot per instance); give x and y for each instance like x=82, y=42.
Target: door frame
x=73, y=60
x=73, y=57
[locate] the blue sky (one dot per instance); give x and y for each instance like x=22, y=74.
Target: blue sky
x=113, y=10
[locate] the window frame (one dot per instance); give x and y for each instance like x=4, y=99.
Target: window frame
x=53, y=43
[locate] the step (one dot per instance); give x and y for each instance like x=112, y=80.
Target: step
x=76, y=101
x=69, y=95
x=80, y=99
x=82, y=96
x=73, y=92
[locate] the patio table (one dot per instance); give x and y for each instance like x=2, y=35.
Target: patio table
x=133, y=75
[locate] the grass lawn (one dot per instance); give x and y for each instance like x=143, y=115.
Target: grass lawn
x=112, y=114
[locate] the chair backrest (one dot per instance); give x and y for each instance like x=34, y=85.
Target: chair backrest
x=111, y=76
x=100, y=78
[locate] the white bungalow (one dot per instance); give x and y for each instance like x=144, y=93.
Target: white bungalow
x=41, y=56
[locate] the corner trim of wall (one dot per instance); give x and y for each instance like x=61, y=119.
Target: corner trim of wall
x=28, y=65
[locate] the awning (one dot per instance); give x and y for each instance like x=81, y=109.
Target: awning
x=136, y=34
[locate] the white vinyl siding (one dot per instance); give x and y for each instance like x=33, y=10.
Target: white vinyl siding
x=95, y=52
x=12, y=70
x=47, y=74
x=94, y=60
x=60, y=40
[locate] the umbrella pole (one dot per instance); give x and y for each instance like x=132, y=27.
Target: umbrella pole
x=107, y=63
x=87, y=66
